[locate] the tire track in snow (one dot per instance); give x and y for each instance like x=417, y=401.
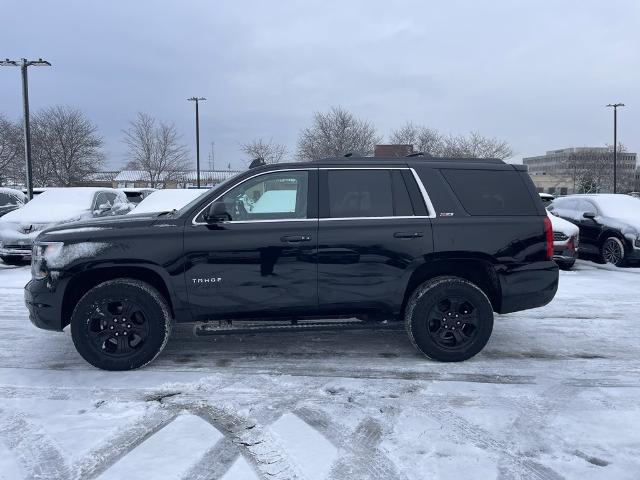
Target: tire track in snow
x=35, y=450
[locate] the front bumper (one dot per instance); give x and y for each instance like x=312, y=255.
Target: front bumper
x=44, y=304
x=16, y=250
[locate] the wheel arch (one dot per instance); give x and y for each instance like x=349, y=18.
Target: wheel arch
x=84, y=281
x=477, y=269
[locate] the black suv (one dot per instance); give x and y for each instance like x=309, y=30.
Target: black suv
x=439, y=244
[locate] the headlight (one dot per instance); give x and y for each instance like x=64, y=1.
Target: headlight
x=40, y=252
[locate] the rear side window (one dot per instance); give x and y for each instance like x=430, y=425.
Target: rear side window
x=491, y=192
x=367, y=193
x=360, y=193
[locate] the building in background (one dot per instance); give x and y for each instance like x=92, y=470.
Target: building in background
x=186, y=179
x=392, y=150
x=582, y=170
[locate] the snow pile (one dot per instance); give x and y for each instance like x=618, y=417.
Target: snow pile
x=167, y=200
x=68, y=253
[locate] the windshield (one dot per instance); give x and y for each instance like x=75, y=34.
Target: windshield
x=8, y=200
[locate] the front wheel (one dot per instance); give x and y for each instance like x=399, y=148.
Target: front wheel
x=449, y=319
x=612, y=251
x=121, y=324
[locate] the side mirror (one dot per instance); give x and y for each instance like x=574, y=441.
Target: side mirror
x=589, y=215
x=217, y=212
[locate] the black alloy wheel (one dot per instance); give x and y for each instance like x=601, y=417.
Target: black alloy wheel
x=121, y=324
x=613, y=251
x=449, y=319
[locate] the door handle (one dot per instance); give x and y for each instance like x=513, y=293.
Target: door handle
x=407, y=234
x=295, y=238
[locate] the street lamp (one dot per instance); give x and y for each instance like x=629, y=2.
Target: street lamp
x=615, y=141
x=197, y=99
x=23, y=64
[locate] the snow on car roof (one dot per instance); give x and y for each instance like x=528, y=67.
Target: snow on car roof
x=616, y=205
x=56, y=205
x=561, y=225
x=167, y=200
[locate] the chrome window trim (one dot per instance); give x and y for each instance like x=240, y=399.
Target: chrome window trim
x=423, y=191
x=425, y=195
x=193, y=220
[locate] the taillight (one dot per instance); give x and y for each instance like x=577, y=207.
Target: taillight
x=548, y=233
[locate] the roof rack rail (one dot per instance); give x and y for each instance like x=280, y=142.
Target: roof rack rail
x=257, y=162
x=418, y=154
x=352, y=154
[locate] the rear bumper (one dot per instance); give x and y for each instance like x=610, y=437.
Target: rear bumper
x=44, y=305
x=530, y=286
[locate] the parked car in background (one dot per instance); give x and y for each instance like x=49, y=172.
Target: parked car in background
x=11, y=199
x=565, y=242
x=546, y=198
x=609, y=224
x=136, y=195
x=55, y=206
x=167, y=200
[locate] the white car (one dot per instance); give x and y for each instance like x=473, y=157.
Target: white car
x=566, y=237
x=167, y=200
x=54, y=206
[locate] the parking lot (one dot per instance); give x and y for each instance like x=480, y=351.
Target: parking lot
x=554, y=395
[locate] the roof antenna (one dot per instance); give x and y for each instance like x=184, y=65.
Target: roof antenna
x=257, y=162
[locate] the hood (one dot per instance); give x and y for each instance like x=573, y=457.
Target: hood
x=103, y=225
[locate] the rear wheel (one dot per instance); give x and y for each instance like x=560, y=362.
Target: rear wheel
x=12, y=259
x=449, y=319
x=612, y=251
x=566, y=264
x=121, y=324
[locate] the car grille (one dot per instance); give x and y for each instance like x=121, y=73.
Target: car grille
x=16, y=247
x=559, y=237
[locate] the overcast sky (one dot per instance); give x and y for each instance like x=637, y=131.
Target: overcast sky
x=535, y=73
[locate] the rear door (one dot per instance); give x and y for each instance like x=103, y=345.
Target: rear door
x=373, y=225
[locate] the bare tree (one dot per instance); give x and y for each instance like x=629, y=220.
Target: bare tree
x=335, y=133
x=269, y=151
x=426, y=140
x=11, y=150
x=592, y=170
x=430, y=141
x=66, y=147
x=155, y=148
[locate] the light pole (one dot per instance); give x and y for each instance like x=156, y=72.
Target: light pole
x=23, y=64
x=197, y=99
x=615, y=142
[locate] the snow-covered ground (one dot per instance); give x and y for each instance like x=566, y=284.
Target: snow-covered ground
x=555, y=395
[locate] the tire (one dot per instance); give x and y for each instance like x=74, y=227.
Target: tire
x=436, y=337
x=12, y=259
x=566, y=264
x=612, y=251
x=121, y=324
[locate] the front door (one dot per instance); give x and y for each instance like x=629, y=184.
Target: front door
x=260, y=263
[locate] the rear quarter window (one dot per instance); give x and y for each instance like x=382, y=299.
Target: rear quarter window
x=491, y=192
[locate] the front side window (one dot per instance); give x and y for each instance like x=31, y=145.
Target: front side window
x=273, y=196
